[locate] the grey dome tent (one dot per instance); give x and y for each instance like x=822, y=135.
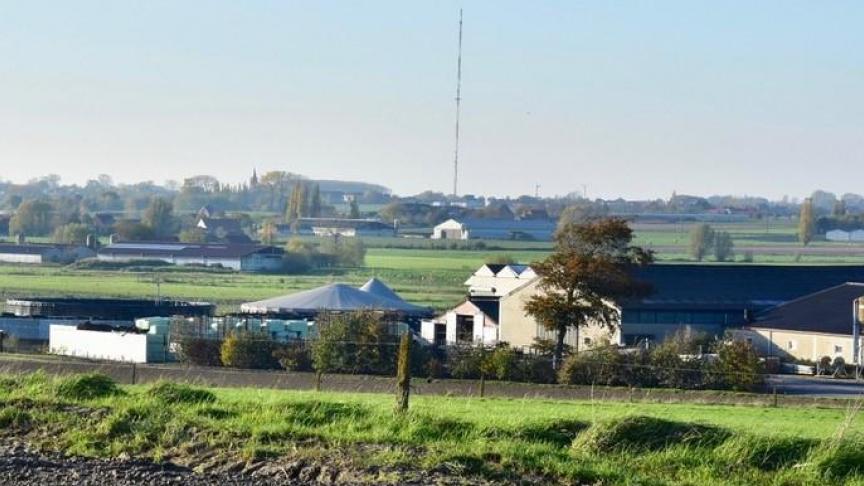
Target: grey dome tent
x=335, y=297
x=380, y=289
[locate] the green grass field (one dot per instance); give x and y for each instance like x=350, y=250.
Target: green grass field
x=423, y=271
x=549, y=441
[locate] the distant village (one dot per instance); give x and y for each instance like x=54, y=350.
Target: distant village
x=47, y=221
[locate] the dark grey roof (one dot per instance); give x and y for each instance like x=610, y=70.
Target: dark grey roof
x=370, y=224
x=738, y=286
x=828, y=311
x=31, y=248
x=146, y=249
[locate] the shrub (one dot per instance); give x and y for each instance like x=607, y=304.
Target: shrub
x=641, y=433
x=177, y=393
x=598, y=366
x=200, y=351
x=464, y=362
x=354, y=342
x=87, y=387
x=294, y=357
x=248, y=350
x=738, y=365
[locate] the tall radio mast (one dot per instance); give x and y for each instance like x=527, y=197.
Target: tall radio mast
x=458, y=110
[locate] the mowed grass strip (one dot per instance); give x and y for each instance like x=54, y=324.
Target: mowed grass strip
x=549, y=441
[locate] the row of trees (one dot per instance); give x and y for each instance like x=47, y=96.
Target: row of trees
x=704, y=240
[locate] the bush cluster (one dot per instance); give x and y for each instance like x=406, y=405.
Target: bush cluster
x=734, y=365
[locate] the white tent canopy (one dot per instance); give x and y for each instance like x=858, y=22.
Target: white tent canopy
x=335, y=297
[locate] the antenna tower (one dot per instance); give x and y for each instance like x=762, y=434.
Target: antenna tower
x=458, y=110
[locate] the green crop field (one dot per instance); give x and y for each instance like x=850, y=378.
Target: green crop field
x=496, y=439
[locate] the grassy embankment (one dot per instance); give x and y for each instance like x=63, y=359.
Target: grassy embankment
x=606, y=443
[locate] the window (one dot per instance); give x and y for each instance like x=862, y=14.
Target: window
x=440, y=337
x=790, y=345
x=465, y=329
x=838, y=349
x=587, y=341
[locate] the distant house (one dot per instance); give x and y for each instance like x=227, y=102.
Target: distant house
x=43, y=253
x=228, y=230
x=337, y=226
x=845, y=236
x=494, y=312
x=494, y=229
x=808, y=328
x=238, y=256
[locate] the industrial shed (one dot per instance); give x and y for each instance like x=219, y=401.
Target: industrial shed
x=237, y=256
x=816, y=325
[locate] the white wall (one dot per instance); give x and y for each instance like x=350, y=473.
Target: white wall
x=111, y=346
x=20, y=258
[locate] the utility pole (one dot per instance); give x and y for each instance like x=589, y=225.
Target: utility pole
x=536, y=191
x=458, y=109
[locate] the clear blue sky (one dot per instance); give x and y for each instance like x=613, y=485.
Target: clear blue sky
x=633, y=99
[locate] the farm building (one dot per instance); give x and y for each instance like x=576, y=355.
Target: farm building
x=698, y=298
x=494, y=229
x=237, y=256
x=43, y=253
x=337, y=226
x=494, y=313
x=223, y=229
x=808, y=328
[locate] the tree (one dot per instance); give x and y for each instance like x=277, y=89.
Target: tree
x=354, y=209
x=588, y=271
x=353, y=342
x=72, y=233
x=806, y=222
x=268, y=233
x=127, y=230
x=32, y=218
x=839, y=209
x=304, y=202
x=294, y=209
x=193, y=235
x=315, y=204
x=159, y=217
x=701, y=241
x=723, y=246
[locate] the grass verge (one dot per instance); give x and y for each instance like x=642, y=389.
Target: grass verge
x=499, y=439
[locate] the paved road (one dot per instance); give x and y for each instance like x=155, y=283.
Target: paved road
x=851, y=250
x=815, y=386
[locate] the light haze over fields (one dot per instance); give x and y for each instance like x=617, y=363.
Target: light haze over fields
x=634, y=99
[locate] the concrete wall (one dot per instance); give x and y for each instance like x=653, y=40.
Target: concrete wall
x=20, y=258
